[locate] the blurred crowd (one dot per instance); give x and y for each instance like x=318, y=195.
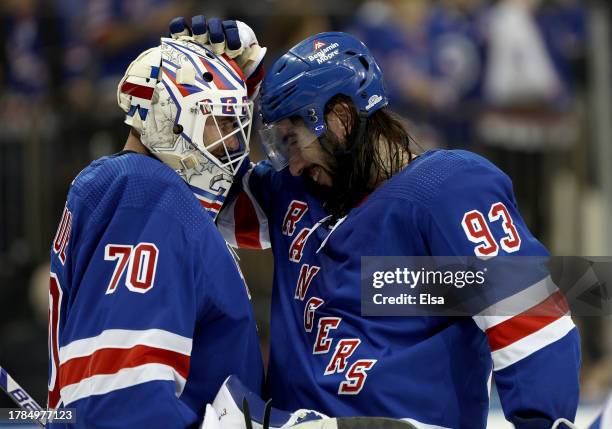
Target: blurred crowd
x=509, y=79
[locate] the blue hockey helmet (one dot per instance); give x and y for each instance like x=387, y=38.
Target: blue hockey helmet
x=307, y=77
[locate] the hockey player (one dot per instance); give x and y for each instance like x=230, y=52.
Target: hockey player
x=148, y=311
x=342, y=182
x=348, y=157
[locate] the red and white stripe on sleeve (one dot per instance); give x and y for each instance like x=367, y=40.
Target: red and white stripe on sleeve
x=524, y=323
x=120, y=358
x=243, y=222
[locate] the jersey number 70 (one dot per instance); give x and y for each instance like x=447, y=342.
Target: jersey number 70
x=141, y=263
x=477, y=230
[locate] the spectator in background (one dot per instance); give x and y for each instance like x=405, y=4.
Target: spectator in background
x=26, y=29
x=563, y=25
x=118, y=30
x=29, y=65
x=29, y=75
x=529, y=99
x=103, y=35
x=432, y=56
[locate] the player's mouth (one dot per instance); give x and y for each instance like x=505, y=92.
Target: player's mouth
x=319, y=175
x=315, y=173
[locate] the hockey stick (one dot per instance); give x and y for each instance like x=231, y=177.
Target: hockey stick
x=20, y=396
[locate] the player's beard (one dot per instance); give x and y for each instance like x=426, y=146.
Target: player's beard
x=323, y=193
x=329, y=196
x=349, y=172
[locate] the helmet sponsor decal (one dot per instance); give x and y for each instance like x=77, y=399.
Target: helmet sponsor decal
x=325, y=54
x=318, y=45
x=373, y=101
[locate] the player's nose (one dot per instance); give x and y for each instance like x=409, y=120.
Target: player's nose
x=297, y=164
x=232, y=143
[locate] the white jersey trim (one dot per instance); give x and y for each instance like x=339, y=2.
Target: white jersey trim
x=226, y=223
x=516, y=304
x=127, y=377
x=530, y=344
x=264, y=232
x=126, y=339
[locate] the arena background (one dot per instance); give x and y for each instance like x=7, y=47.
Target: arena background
x=527, y=83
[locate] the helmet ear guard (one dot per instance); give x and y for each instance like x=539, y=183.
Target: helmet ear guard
x=135, y=92
x=175, y=92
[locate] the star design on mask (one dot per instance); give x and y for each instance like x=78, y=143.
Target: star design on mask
x=199, y=170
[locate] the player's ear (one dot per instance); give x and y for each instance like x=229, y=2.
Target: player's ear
x=340, y=120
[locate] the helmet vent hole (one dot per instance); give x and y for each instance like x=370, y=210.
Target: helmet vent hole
x=207, y=76
x=351, y=53
x=289, y=92
x=290, y=89
x=282, y=67
x=364, y=63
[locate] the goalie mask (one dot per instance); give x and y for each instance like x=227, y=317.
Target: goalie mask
x=191, y=110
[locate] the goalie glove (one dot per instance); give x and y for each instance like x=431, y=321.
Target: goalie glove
x=233, y=38
x=211, y=419
x=236, y=407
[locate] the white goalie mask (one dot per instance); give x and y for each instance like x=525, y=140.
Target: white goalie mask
x=191, y=109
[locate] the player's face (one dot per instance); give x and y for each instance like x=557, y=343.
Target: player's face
x=305, y=155
x=215, y=129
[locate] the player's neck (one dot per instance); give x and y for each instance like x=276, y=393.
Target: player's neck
x=134, y=144
x=376, y=178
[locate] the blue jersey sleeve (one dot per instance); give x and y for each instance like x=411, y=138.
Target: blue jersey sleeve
x=225, y=338
x=536, y=359
x=263, y=182
x=145, y=299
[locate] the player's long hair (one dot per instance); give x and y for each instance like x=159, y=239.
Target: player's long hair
x=374, y=153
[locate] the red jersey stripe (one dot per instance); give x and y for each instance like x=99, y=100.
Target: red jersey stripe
x=246, y=222
x=213, y=206
x=528, y=322
x=254, y=80
x=112, y=360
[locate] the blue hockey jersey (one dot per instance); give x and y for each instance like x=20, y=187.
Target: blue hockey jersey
x=148, y=311
x=433, y=371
